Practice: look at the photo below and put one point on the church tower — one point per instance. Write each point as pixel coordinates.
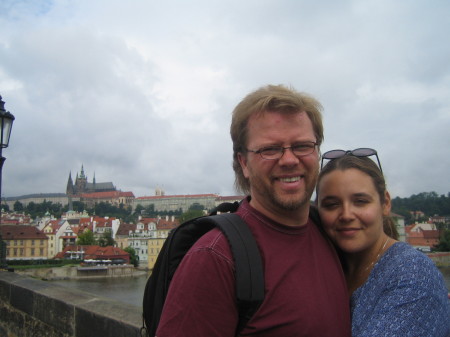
(69, 189)
(81, 185)
(81, 181)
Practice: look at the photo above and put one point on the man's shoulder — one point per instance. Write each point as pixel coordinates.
(213, 241)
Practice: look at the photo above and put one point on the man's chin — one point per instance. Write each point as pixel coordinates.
(291, 203)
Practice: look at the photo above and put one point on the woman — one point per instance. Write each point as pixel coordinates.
(395, 290)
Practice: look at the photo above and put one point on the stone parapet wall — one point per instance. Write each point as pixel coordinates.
(66, 272)
(441, 259)
(34, 308)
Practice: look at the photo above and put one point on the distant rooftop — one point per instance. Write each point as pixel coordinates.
(36, 195)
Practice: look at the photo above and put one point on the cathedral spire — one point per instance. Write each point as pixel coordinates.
(69, 188)
(82, 176)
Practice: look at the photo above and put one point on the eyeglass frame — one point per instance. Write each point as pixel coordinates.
(351, 153)
(282, 150)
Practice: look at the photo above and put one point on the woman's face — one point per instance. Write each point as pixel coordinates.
(351, 210)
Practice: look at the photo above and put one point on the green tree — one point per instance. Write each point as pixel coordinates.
(444, 242)
(196, 207)
(18, 206)
(150, 210)
(429, 203)
(106, 209)
(139, 208)
(134, 258)
(86, 238)
(190, 214)
(106, 239)
(78, 206)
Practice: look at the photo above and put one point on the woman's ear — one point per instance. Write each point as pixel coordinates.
(387, 204)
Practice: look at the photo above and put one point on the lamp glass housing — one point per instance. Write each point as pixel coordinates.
(6, 121)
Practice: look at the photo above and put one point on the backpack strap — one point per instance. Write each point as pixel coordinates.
(248, 264)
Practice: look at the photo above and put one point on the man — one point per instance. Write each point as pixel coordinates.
(276, 135)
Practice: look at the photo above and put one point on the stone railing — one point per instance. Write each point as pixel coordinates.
(34, 308)
(66, 273)
(441, 259)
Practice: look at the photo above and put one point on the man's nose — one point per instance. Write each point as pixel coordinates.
(288, 157)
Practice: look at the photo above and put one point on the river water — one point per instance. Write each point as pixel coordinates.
(131, 289)
(124, 289)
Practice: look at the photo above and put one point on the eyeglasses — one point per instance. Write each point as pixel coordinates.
(361, 152)
(276, 152)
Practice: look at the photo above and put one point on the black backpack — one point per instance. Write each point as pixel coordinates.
(248, 264)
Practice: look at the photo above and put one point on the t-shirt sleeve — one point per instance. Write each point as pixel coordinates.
(201, 298)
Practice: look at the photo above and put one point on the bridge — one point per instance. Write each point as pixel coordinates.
(32, 308)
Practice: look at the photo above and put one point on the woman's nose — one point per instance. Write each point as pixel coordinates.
(346, 213)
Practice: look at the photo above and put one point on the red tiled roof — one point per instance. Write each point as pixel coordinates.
(19, 232)
(146, 221)
(178, 196)
(108, 194)
(53, 225)
(163, 224)
(430, 234)
(233, 197)
(102, 222)
(10, 221)
(125, 228)
(96, 252)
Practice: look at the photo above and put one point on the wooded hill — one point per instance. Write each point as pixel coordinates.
(430, 203)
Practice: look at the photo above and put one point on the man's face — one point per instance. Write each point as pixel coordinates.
(285, 184)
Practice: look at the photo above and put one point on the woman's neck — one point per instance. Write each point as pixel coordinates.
(360, 264)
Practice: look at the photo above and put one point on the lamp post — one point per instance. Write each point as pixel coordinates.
(6, 121)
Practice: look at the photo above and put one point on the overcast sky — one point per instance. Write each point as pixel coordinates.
(141, 92)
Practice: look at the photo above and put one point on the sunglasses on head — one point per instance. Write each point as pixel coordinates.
(361, 152)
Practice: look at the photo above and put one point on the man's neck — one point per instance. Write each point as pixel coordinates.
(297, 217)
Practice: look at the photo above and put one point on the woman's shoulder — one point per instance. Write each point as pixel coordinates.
(403, 262)
(401, 253)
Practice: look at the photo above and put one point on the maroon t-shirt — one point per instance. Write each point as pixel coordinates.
(305, 290)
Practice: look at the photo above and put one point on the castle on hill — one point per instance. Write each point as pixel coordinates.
(82, 186)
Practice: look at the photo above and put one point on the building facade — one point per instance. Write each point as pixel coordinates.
(115, 198)
(24, 242)
(422, 236)
(56, 198)
(166, 203)
(154, 245)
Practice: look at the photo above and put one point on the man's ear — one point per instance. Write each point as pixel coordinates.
(243, 162)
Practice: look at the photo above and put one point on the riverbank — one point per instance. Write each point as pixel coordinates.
(78, 272)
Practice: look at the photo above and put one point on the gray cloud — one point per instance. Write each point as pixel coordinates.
(141, 93)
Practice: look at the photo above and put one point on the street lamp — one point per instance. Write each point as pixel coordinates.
(6, 122)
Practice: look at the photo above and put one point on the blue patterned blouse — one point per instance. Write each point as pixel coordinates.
(405, 295)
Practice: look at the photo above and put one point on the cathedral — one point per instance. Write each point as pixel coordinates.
(82, 185)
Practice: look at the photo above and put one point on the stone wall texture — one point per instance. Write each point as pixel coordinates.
(35, 308)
